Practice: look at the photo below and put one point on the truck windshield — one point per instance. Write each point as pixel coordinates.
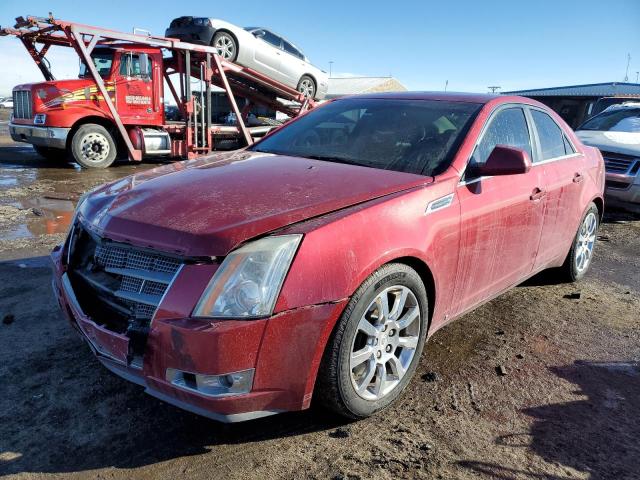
(415, 136)
(625, 119)
(102, 60)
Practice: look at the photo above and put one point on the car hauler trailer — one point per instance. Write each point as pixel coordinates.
(116, 106)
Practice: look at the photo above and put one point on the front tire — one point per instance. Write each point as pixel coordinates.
(226, 45)
(376, 345)
(307, 87)
(93, 146)
(578, 260)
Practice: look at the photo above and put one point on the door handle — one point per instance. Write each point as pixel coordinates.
(537, 194)
(577, 178)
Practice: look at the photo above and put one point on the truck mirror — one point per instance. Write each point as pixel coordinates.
(145, 71)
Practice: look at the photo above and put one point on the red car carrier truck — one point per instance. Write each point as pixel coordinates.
(115, 108)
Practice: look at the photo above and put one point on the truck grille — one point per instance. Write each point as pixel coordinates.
(22, 104)
(618, 162)
(118, 285)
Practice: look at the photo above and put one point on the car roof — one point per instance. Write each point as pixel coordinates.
(451, 96)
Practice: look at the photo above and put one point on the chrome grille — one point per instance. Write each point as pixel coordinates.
(618, 162)
(22, 104)
(144, 277)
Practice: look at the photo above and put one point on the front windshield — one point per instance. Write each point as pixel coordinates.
(102, 60)
(415, 136)
(625, 119)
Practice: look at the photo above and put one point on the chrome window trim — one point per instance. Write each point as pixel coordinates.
(462, 183)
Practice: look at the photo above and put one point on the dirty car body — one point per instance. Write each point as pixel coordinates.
(217, 283)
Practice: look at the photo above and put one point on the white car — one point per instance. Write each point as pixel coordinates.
(6, 102)
(257, 48)
(616, 132)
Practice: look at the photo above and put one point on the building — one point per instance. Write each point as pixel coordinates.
(575, 103)
(339, 87)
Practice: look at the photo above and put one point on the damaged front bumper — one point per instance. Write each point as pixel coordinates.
(274, 360)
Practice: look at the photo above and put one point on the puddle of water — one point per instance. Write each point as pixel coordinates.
(8, 181)
(46, 216)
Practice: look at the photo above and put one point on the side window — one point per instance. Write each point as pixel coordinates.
(130, 66)
(508, 127)
(292, 50)
(271, 39)
(552, 141)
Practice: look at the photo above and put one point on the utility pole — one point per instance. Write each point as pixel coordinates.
(446, 84)
(330, 67)
(637, 74)
(494, 88)
(626, 75)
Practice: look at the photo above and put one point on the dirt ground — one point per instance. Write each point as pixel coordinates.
(568, 406)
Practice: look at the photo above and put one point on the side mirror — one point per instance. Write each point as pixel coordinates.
(144, 65)
(504, 160)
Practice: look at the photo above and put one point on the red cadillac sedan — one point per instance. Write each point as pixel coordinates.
(314, 264)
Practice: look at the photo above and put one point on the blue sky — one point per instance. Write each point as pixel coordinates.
(472, 44)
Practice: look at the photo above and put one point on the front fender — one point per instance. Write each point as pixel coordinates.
(341, 250)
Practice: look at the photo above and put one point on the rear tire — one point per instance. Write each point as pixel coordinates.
(92, 146)
(307, 86)
(226, 45)
(370, 358)
(578, 261)
(52, 154)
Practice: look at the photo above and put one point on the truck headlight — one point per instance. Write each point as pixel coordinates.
(40, 119)
(248, 282)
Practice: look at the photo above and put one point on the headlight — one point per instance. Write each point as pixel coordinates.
(248, 282)
(40, 119)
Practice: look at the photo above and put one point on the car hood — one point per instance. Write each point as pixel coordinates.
(206, 207)
(617, 142)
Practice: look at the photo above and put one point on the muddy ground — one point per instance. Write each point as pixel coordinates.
(568, 406)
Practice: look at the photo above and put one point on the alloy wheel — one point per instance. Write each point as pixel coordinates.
(225, 46)
(585, 241)
(307, 88)
(385, 342)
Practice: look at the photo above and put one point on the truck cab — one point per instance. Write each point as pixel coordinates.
(69, 118)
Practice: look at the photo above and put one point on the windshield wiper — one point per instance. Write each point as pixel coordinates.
(334, 159)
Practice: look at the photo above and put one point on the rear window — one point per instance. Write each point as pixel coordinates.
(415, 136)
(292, 50)
(552, 139)
(618, 120)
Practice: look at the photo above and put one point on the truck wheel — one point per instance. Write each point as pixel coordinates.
(52, 154)
(92, 146)
(376, 345)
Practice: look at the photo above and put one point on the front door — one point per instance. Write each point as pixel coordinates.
(135, 91)
(501, 217)
(268, 54)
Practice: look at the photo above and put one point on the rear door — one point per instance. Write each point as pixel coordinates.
(563, 169)
(268, 53)
(501, 216)
(293, 64)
